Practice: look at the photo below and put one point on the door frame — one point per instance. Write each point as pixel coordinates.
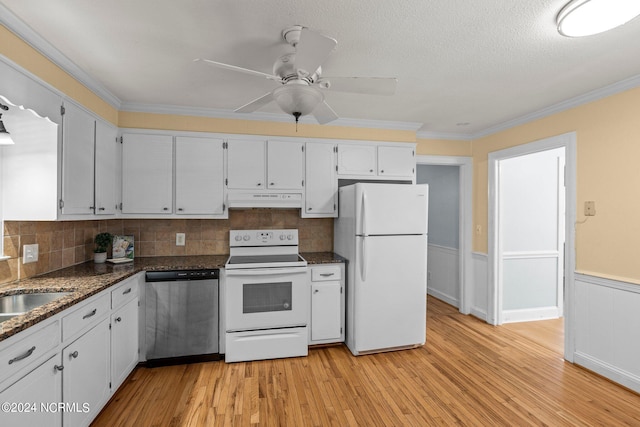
(465, 221)
(568, 141)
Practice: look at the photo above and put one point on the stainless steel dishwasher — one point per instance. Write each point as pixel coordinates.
(181, 310)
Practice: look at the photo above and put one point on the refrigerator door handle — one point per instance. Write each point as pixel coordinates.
(363, 212)
(363, 260)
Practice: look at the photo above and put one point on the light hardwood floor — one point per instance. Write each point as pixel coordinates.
(468, 373)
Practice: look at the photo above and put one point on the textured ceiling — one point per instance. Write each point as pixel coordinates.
(482, 63)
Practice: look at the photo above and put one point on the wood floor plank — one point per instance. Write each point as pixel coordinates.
(468, 373)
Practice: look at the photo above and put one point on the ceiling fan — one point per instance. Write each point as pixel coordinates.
(300, 76)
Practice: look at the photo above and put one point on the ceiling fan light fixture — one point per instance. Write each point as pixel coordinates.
(587, 17)
(295, 98)
(5, 136)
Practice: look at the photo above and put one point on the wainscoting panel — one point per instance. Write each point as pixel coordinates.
(480, 285)
(442, 278)
(607, 326)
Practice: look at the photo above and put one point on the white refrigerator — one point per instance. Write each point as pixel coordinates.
(382, 231)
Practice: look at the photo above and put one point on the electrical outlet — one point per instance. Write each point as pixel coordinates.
(589, 208)
(30, 253)
(180, 239)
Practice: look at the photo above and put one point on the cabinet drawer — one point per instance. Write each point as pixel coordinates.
(124, 293)
(28, 348)
(323, 274)
(85, 316)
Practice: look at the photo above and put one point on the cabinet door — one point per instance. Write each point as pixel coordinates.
(85, 379)
(105, 167)
(356, 159)
(321, 180)
(39, 387)
(124, 342)
(285, 165)
(147, 174)
(246, 164)
(78, 135)
(396, 162)
(199, 176)
(326, 321)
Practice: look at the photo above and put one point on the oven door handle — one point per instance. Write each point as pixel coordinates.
(266, 271)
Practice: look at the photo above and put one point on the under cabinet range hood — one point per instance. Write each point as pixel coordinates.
(264, 199)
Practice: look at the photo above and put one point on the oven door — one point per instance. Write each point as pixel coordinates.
(266, 298)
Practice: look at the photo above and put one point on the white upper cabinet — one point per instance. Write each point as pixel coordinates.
(356, 159)
(147, 174)
(106, 149)
(321, 181)
(88, 164)
(199, 176)
(396, 161)
(377, 161)
(78, 143)
(258, 165)
(246, 164)
(285, 165)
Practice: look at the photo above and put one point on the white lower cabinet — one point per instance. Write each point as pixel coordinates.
(86, 375)
(124, 342)
(65, 369)
(29, 400)
(327, 304)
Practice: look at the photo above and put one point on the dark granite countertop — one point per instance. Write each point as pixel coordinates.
(87, 279)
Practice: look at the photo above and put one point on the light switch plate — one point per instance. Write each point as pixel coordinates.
(180, 239)
(30, 253)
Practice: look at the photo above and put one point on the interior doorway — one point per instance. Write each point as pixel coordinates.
(456, 275)
(521, 257)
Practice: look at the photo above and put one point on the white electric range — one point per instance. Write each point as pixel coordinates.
(266, 296)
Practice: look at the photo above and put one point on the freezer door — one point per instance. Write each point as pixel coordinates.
(384, 209)
(390, 290)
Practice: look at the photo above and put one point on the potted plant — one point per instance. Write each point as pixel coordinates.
(102, 241)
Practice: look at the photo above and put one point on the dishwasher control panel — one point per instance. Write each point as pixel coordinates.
(176, 275)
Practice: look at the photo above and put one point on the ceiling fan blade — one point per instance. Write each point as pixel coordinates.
(311, 51)
(239, 69)
(323, 113)
(255, 104)
(364, 85)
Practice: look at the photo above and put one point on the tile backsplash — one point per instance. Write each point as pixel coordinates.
(65, 243)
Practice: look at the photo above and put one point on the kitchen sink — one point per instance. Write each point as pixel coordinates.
(15, 305)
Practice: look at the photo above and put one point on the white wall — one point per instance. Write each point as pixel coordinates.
(444, 203)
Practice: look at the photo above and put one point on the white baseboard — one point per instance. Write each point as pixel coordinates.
(607, 370)
(529, 314)
(443, 297)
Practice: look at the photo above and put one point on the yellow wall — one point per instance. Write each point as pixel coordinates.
(443, 147)
(608, 152)
(30, 59)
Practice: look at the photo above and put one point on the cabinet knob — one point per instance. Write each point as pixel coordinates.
(381, 171)
(259, 184)
(165, 209)
(58, 367)
(92, 207)
(370, 170)
(180, 209)
(100, 209)
(316, 291)
(308, 209)
(272, 184)
(74, 355)
(118, 319)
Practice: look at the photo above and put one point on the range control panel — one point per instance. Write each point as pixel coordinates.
(263, 237)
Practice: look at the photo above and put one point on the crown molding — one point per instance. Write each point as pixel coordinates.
(594, 95)
(35, 40)
(259, 116)
(444, 135)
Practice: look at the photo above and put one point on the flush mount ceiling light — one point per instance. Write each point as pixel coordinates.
(5, 137)
(586, 17)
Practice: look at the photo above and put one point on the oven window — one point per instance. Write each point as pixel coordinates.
(266, 297)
